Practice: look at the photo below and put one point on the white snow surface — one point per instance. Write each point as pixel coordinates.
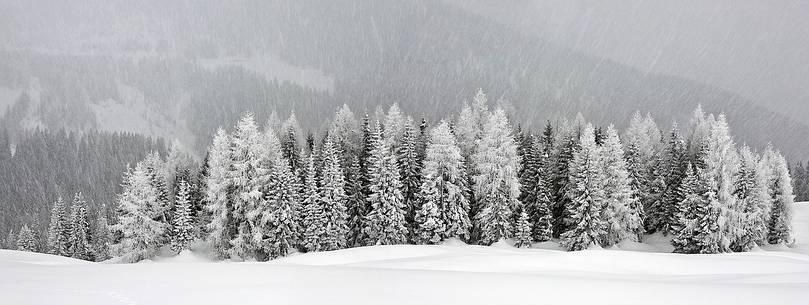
(452, 273)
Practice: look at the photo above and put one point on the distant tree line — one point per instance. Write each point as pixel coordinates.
(262, 193)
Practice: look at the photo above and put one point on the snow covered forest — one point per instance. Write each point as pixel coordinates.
(265, 190)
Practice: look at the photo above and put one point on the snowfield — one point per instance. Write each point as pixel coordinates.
(452, 273)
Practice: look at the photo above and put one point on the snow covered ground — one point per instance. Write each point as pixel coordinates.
(448, 274)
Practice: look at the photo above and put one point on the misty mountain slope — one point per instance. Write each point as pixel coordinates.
(425, 55)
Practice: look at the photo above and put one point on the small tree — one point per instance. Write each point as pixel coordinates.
(26, 240)
(523, 231)
(183, 221)
(429, 227)
(80, 229)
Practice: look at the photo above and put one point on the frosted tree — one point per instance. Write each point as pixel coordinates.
(641, 141)
(620, 212)
(79, 229)
(394, 126)
(183, 222)
(290, 144)
(345, 130)
(281, 222)
(26, 240)
(753, 199)
(722, 163)
(101, 236)
(698, 130)
(140, 230)
(444, 178)
(674, 156)
(59, 229)
(586, 196)
(385, 223)
(249, 174)
(684, 228)
(496, 184)
(11, 240)
(429, 228)
(559, 177)
(409, 172)
(522, 232)
(156, 169)
(779, 226)
(356, 207)
(219, 195)
(332, 217)
(312, 209)
(535, 195)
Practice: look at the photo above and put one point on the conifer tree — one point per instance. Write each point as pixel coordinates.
(722, 163)
(280, 223)
(219, 196)
(779, 226)
(684, 228)
(620, 212)
(26, 240)
(79, 229)
(496, 183)
(289, 144)
(673, 168)
(751, 192)
(332, 218)
(586, 196)
(58, 230)
(101, 236)
(11, 240)
(140, 230)
(183, 223)
(407, 160)
(312, 209)
(385, 223)
(523, 231)
(444, 166)
(356, 207)
(429, 228)
(569, 144)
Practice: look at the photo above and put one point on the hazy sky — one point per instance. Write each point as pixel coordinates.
(757, 48)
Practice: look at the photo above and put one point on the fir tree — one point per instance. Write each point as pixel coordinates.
(751, 192)
(139, 231)
(101, 236)
(80, 229)
(332, 218)
(496, 183)
(385, 223)
(673, 168)
(356, 207)
(59, 229)
(523, 231)
(26, 240)
(281, 223)
(444, 166)
(183, 222)
(561, 183)
(620, 212)
(429, 227)
(312, 209)
(586, 196)
(11, 241)
(406, 158)
(218, 196)
(779, 226)
(684, 228)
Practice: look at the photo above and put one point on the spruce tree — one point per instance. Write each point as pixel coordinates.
(523, 231)
(385, 223)
(673, 168)
(280, 224)
(429, 227)
(586, 196)
(444, 166)
(333, 217)
(183, 223)
(101, 236)
(496, 183)
(356, 207)
(219, 196)
(407, 160)
(312, 209)
(753, 199)
(684, 228)
(779, 226)
(11, 240)
(80, 229)
(26, 240)
(58, 230)
(620, 212)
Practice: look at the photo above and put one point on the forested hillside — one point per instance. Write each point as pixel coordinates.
(180, 69)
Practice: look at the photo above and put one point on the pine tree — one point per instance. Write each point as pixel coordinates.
(523, 231)
(444, 167)
(155, 168)
(586, 196)
(183, 222)
(722, 163)
(407, 160)
(289, 144)
(356, 208)
(673, 169)
(280, 224)
(139, 231)
(779, 226)
(11, 241)
(385, 223)
(429, 227)
(312, 209)
(684, 228)
(496, 183)
(560, 181)
(752, 198)
(26, 240)
(58, 230)
(219, 196)
(535, 194)
(620, 212)
(101, 237)
(331, 219)
(250, 172)
(80, 229)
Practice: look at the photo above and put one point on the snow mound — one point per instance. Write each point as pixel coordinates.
(8, 257)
